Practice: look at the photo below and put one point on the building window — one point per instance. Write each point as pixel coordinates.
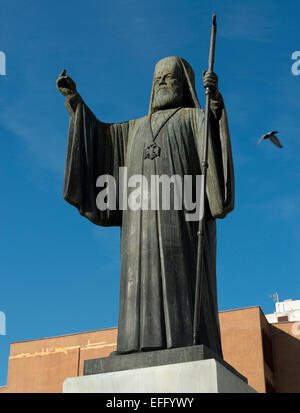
(282, 319)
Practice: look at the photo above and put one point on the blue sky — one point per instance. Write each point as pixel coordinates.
(59, 274)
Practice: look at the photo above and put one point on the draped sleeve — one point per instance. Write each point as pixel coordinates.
(220, 172)
(94, 149)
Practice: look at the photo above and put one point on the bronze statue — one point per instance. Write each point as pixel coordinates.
(158, 247)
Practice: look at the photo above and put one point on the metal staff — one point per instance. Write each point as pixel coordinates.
(204, 165)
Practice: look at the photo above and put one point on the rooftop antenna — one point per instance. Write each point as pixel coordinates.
(275, 297)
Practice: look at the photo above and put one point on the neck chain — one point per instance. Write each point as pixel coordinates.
(153, 150)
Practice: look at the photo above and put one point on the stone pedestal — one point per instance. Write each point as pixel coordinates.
(183, 370)
(205, 376)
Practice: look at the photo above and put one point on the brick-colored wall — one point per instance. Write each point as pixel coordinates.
(242, 344)
(286, 350)
(41, 366)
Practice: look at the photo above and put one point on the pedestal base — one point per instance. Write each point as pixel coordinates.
(153, 358)
(202, 376)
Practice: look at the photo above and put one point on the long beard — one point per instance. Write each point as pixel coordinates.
(166, 98)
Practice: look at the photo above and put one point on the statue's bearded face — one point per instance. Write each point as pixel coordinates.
(168, 90)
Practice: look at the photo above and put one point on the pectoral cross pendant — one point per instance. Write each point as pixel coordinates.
(152, 151)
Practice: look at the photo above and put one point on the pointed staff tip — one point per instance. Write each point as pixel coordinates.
(214, 19)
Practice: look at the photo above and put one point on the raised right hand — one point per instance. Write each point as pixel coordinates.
(65, 85)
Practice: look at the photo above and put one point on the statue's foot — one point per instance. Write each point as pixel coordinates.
(120, 353)
(114, 353)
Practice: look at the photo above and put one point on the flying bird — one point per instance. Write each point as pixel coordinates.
(272, 137)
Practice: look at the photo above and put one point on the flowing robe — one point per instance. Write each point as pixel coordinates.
(158, 247)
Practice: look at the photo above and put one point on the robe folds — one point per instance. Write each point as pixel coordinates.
(158, 247)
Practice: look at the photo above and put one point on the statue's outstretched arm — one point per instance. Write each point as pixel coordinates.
(67, 87)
